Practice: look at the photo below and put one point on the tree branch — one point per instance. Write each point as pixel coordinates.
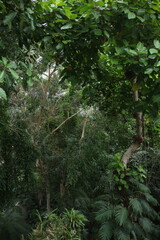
(54, 130)
(84, 127)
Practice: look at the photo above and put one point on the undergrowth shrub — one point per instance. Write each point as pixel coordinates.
(132, 216)
(67, 226)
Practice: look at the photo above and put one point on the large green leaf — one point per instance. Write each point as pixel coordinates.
(153, 50)
(143, 188)
(106, 230)
(148, 210)
(121, 234)
(121, 215)
(146, 224)
(151, 199)
(105, 213)
(136, 206)
(67, 26)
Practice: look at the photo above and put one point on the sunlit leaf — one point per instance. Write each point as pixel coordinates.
(2, 74)
(3, 94)
(157, 43)
(14, 74)
(153, 50)
(131, 15)
(67, 26)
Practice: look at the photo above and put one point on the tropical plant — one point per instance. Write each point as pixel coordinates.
(133, 216)
(68, 225)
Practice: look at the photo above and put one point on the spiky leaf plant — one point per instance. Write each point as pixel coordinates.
(68, 225)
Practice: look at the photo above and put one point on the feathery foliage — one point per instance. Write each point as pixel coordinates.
(12, 225)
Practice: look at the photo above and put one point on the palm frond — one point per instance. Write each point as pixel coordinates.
(151, 199)
(121, 215)
(148, 210)
(136, 206)
(134, 235)
(128, 225)
(138, 230)
(143, 188)
(105, 213)
(120, 234)
(146, 224)
(106, 230)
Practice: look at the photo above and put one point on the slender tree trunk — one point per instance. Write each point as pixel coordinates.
(138, 139)
(44, 174)
(48, 200)
(48, 194)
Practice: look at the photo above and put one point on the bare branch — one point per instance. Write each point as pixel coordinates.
(84, 126)
(54, 130)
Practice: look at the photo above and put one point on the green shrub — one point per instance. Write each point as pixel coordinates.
(66, 226)
(133, 215)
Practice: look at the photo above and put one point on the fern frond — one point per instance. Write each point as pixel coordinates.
(134, 235)
(156, 231)
(128, 226)
(120, 234)
(106, 230)
(136, 206)
(99, 204)
(121, 215)
(146, 224)
(148, 210)
(151, 199)
(105, 213)
(138, 230)
(143, 188)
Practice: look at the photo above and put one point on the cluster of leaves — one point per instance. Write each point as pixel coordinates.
(133, 219)
(68, 225)
(122, 31)
(121, 174)
(102, 46)
(16, 164)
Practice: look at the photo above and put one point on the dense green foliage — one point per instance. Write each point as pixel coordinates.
(74, 77)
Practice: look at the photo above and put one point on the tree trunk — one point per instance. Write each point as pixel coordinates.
(45, 181)
(138, 139)
(48, 200)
